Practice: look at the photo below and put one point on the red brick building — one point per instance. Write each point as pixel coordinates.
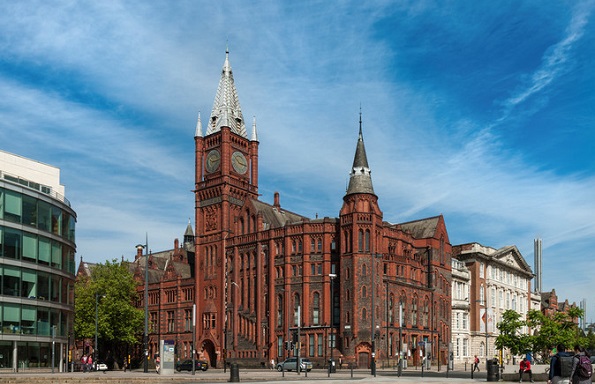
(257, 263)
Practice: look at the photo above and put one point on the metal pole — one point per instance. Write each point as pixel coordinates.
(193, 338)
(297, 344)
(146, 332)
(387, 334)
(332, 276)
(96, 321)
(53, 346)
(373, 363)
(400, 367)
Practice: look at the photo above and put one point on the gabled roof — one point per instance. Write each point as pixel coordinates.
(275, 217)
(511, 256)
(422, 229)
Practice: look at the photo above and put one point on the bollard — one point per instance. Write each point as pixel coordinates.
(234, 373)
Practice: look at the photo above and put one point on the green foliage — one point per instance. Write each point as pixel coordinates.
(113, 288)
(510, 336)
(549, 331)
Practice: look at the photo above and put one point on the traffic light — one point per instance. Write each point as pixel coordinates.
(294, 337)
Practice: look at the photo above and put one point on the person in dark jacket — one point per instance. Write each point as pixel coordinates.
(559, 372)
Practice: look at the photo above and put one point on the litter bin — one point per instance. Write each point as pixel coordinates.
(332, 367)
(492, 370)
(234, 373)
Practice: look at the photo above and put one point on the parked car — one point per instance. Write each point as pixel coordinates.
(101, 367)
(291, 365)
(186, 365)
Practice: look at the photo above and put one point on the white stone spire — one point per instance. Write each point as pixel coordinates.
(254, 134)
(198, 132)
(226, 108)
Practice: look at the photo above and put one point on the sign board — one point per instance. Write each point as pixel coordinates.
(166, 352)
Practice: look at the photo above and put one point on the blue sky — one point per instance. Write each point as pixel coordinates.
(481, 111)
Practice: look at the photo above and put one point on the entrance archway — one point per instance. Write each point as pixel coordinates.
(363, 360)
(208, 352)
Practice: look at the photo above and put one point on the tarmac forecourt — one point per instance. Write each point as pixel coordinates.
(409, 375)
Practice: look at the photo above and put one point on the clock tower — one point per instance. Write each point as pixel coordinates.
(226, 177)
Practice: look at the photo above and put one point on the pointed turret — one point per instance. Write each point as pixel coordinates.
(360, 180)
(189, 234)
(198, 132)
(226, 108)
(254, 134)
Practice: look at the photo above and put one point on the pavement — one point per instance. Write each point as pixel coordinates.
(409, 375)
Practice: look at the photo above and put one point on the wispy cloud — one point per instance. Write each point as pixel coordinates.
(109, 92)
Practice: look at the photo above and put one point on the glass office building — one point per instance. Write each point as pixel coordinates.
(37, 247)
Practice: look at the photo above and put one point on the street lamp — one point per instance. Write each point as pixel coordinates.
(95, 349)
(140, 248)
(332, 276)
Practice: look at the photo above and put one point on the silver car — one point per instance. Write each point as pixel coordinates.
(291, 365)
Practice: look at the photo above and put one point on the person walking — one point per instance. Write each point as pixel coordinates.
(560, 366)
(84, 363)
(582, 369)
(89, 363)
(525, 367)
(475, 364)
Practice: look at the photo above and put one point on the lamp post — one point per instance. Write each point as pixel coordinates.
(140, 247)
(95, 349)
(332, 295)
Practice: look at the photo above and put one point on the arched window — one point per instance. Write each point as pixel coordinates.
(367, 240)
(296, 304)
(364, 314)
(414, 312)
(360, 240)
(279, 311)
(364, 270)
(390, 309)
(364, 291)
(316, 308)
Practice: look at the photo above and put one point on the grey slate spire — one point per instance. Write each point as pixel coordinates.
(226, 108)
(360, 180)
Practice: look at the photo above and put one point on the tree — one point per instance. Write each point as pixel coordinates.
(510, 336)
(112, 287)
(551, 331)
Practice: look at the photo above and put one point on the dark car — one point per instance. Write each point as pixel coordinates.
(186, 365)
(291, 365)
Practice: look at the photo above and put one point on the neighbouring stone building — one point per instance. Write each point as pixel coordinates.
(500, 279)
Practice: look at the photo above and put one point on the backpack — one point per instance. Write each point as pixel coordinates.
(565, 364)
(584, 368)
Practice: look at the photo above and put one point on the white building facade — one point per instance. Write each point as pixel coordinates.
(500, 279)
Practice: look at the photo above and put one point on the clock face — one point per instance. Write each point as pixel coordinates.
(213, 160)
(239, 162)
